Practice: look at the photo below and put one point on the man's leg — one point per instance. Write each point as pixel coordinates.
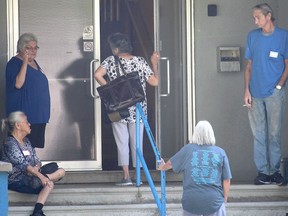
(258, 124)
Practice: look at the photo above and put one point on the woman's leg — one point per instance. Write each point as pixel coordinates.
(42, 197)
(37, 135)
(56, 176)
(44, 193)
(121, 135)
(132, 136)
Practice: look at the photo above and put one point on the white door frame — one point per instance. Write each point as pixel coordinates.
(190, 42)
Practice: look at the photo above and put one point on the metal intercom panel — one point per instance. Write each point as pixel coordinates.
(228, 59)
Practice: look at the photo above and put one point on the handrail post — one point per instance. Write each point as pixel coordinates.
(137, 147)
(139, 157)
(163, 193)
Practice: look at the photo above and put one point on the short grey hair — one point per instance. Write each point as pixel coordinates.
(265, 9)
(24, 39)
(9, 123)
(203, 134)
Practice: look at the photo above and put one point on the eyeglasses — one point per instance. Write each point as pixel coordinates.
(32, 48)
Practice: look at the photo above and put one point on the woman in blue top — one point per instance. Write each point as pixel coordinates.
(27, 88)
(207, 174)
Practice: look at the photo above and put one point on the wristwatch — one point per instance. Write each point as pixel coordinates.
(278, 87)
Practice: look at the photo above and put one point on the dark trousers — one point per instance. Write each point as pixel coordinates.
(37, 135)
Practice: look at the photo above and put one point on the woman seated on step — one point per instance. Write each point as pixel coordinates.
(26, 176)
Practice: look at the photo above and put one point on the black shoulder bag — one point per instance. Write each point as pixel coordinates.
(123, 92)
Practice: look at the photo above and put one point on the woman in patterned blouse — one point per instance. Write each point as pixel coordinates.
(124, 130)
(18, 151)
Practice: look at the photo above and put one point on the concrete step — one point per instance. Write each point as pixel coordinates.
(99, 210)
(233, 209)
(108, 199)
(98, 176)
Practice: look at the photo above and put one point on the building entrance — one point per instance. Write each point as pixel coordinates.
(71, 34)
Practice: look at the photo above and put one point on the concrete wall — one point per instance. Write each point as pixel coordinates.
(219, 95)
(282, 13)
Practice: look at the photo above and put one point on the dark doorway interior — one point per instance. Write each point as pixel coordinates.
(135, 18)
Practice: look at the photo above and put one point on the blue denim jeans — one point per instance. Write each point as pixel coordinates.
(265, 118)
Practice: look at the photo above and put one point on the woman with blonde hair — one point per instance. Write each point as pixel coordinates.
(206, 171)
(26, 175)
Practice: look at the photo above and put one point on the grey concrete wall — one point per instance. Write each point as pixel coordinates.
(219, 95)
(282, 13)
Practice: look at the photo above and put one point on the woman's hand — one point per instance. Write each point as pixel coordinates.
(46, 181)
(33, 170)
(154, 80)
(37, 166)
(25, 56)
(161, 165)
(155, 58)
(164, 166)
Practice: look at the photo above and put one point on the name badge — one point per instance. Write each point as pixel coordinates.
(273, 54)
(26, 153)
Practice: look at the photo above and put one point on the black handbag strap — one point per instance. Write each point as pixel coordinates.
(118, 62)
(22, 151)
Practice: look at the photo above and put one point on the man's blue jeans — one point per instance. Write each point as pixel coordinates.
(265, 118)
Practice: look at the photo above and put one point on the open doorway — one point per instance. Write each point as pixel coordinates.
(134, 18)
(160, 25)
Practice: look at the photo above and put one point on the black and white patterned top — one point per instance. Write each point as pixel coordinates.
(134, 64)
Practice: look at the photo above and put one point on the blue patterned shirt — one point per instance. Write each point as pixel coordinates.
(204, 168)
(13, 153)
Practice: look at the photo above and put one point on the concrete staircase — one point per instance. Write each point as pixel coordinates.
(93, 197)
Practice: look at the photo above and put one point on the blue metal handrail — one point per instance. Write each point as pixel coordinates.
(161, 203)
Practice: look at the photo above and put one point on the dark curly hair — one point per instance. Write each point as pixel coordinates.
(120, 41)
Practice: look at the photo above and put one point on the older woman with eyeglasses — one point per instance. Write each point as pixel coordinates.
(27, 175)
(27, 88)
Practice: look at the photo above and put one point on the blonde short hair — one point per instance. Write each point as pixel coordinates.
(203, 134)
